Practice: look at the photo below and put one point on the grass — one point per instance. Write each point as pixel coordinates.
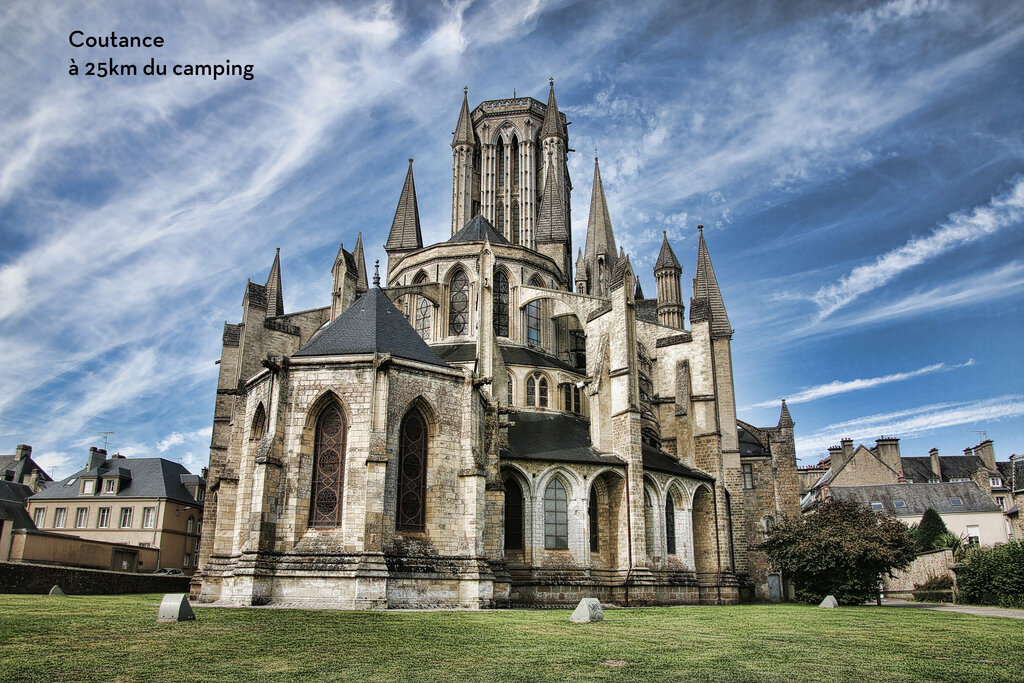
(116, 638)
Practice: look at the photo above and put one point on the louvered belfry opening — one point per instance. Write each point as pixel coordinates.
(412, 473)
(328, 468)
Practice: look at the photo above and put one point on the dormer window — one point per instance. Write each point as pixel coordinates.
(110, 486)
(88, 486)
(995, 482)
(900, 504)
(877, 506)
(956, 502)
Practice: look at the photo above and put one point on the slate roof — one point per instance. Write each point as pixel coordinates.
(371, 325)
(646, 309)
(150, 478)
(1018, 475)
(405, 228)
(920, 497)
(553, 125)
(551, 225)
(256, 295)
(13, 469)
(510, 355)
(919, 469)
(659, 461)
(750, 445)
(12, 504)
(666, 257)
(464, 128)
(475, 231)
(705, 286)
(553, 436)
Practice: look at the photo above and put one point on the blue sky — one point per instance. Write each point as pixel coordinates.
(859, 168)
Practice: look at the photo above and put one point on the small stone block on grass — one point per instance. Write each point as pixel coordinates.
(829, 602)
(175, 607)
(589, 610)
(56, 591)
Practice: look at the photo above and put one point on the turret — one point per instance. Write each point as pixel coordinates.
(405, 235)
(275, 297)
(361, 285)
(667, 272)
(463, 158)
(600, 256)
(553, 234)
(707, 298)
(346, 281)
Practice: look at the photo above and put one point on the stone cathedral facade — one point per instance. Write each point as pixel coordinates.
(490, 422)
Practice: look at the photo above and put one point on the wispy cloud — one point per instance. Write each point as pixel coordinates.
(845, 386)
(912, 422)
(177, 438)
(961, 229)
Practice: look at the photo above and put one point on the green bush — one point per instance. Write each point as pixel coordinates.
(841, 549)
(923, 592)
(992, 576)
(929, 533)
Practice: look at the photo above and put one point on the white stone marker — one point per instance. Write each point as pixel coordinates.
(829, 602)
(56, 591)
(175, 607)
(589, 610)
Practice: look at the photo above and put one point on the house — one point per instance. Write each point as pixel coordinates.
(13, 514)
(20, 468)
(138, 502)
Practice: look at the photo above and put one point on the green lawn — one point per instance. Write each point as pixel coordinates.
(117, 638)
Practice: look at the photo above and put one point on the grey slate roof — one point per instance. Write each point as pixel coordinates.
(920, 497)
(232, 335)
(464, 128)
(553, 436)
(1018, 475)
(371, 325)
(150, 478)
(476, 230)
(13, 469)
(510, 355)
(750, 445)
(12, 505)
(256, 294)
(659, 461)
(553, 124)
(666, 257)
(705, 286)
(919, 469)
(405, 228)
(646, 309)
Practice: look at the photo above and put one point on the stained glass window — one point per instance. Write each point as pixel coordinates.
(510, 393)
(513, 515)
(424, 317)
(556, 517)
(458, 305)
(500, 304)
(670, 525)
(412, 473)
(531, 391)
(328, 468)
(592, 515)
(533, 322)
(542, 393)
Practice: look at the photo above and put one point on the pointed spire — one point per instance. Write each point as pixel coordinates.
(666, 257)
(553, 126)
(785, 421)
(464, 128)
(705, 286)
(551, 225)
(405, 229)
(600, 238)
(360, 259)
(638, 293)
(275, 298)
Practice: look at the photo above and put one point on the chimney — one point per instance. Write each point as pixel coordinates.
(23, 452)
(847, 446)
(836, 458)
(97, 456)
(936, 466)
(889, 453)
(987, 454)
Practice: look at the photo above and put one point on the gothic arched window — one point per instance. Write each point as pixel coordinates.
(458, 304)
(424, 317)
(511, 385)
(412, 472)
(542, 392)
(670, 525)
(531, 391)
(259, 424)
(556, 516)
(500, 303)
(513, 515)
(537, 390)
(592, 515)
(328, 468)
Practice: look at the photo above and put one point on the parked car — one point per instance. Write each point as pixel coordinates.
(171, 572)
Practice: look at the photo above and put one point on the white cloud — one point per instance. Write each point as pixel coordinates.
(178, 438)
(961, 229)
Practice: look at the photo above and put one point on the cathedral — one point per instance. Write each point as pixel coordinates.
(488, 421)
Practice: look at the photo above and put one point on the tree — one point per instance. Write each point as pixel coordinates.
(840, 549)
(929, 532)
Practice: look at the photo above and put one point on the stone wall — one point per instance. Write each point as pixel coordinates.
(934, 563)
(16, 577)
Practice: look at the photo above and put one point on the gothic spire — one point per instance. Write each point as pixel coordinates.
(275, 297)
(553, 126)
(405, 229)
(666, 257)
(705, 286)
(551, 225)
(638, 293)
(360, 259)
(600, 239)
(464, 128)
(784, 419)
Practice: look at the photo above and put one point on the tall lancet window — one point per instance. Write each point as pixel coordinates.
(424, 317)
(500, 303)
(595, 543)
(328, 468)
(513, 515)
(458, 305)
(412, 472)
(670, 525)
(556, 516)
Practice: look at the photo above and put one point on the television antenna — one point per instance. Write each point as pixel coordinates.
(982, 435)
(106, 438)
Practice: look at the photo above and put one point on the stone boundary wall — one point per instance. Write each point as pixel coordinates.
(933, 563)
(17, 577)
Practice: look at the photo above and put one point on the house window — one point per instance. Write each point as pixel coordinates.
(103, 519)
(81, 517)
(900, 504)
(995, 482)
(595, 543)
(959, 480)
(458, 305)
(59, 518)
(424, 317)
(195, 560)
(877, 506)
(110, 486)
(188, 560)
(973, 535)
(1001, 502)
(200, 494)
(71, 482)
(149, 518)
(328, 468)
(500, 303)
(556, 517)
(748, 475)
(412, 473)
(191, 525)
(88, 486)
(126, 518)
(39, 517)
(670, 525)
(513, 515)
(956, 502)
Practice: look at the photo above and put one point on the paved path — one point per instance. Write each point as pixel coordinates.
(963, 609)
